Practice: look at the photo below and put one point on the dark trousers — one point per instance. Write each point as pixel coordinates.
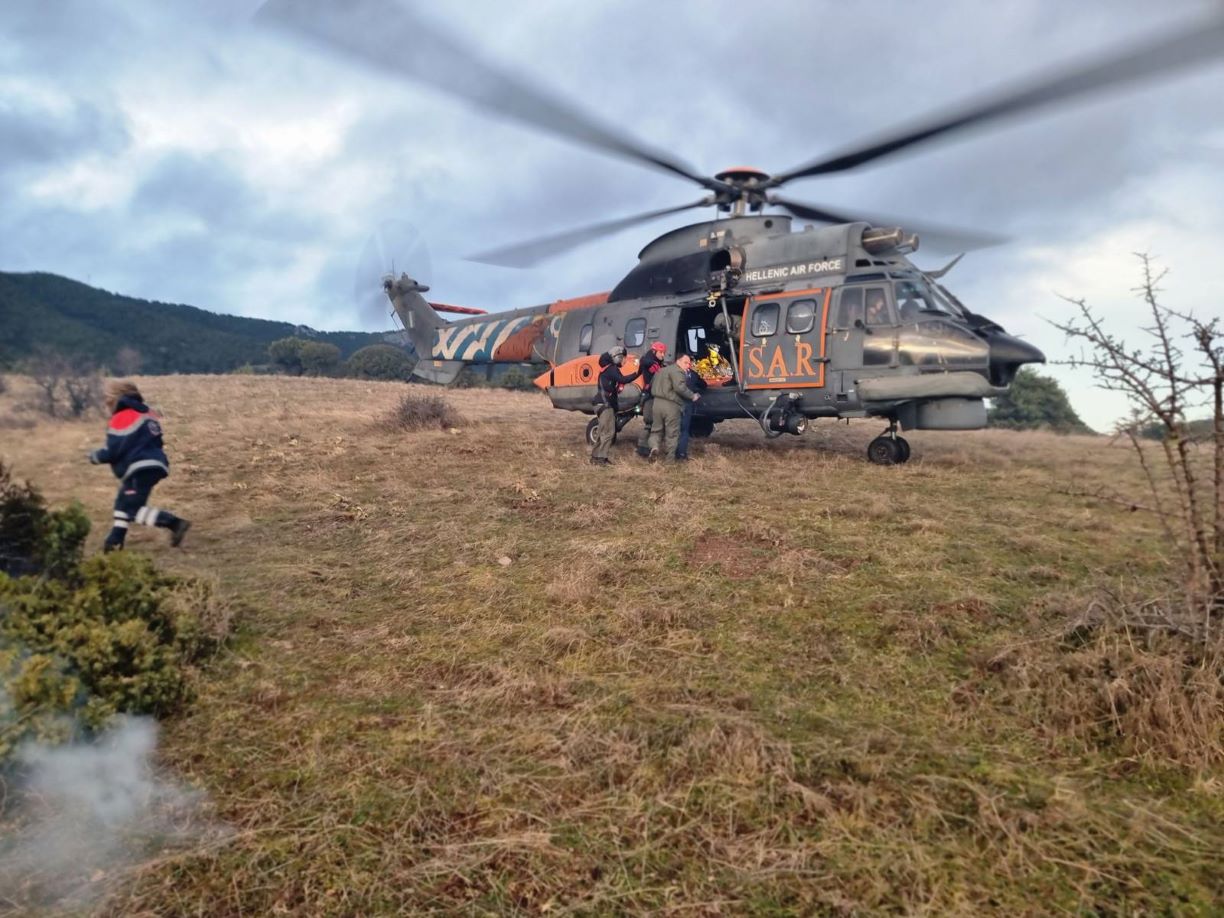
(686, 422)
(131, 506)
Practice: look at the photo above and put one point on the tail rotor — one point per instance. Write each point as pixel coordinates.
(395, 247)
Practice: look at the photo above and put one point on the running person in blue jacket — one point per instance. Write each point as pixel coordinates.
(134, 452)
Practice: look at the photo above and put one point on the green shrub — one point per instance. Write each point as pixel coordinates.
(81, 641)
(319, 358)
(286, 353)
(380, 361)
(34, 539)
(1034, 402)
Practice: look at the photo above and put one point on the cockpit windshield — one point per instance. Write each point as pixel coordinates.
(917, 300)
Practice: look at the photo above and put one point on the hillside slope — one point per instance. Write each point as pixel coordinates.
(476, 675)
(47, 311)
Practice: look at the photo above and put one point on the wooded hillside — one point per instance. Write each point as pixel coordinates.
(48, 312)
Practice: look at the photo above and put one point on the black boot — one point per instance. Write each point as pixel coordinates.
(176, 524)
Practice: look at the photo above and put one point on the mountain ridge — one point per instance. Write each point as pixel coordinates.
(41, 311)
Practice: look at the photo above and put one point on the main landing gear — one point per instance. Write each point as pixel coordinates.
(621, 420)
(888, 448)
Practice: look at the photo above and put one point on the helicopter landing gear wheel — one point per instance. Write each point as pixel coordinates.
(592, 429)
(888, 448)
(884, 451)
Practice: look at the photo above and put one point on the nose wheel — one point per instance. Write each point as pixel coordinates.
(888, 448)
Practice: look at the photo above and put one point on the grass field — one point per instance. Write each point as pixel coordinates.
(475, 674)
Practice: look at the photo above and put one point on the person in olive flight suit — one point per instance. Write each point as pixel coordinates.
(671, 394)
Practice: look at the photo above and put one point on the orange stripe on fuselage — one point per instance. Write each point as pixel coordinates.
(581, 371)
(579, 302)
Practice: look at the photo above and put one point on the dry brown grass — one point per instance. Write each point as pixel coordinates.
(759, 683)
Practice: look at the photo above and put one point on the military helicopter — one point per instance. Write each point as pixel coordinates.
(831, 320)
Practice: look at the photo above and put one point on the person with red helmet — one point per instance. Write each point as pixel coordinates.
(649, 364)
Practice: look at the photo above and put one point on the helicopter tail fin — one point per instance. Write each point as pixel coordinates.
(421, 322)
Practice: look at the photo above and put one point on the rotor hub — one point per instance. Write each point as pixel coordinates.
(742, 175)
(747, 188)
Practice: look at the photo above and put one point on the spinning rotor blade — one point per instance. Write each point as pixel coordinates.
(525, 254)
(388, 37)
(946, 237)
(1177, 50)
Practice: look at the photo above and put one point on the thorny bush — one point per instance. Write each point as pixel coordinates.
(1178, 372)
(419, 412)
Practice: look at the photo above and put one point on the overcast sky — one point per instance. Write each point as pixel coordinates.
(181, 152)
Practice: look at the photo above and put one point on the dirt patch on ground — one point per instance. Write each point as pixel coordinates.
(733, 556)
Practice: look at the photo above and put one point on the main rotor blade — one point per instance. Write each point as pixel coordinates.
(387, 36)
(942, 236)
(526, 254)
(1174, 51)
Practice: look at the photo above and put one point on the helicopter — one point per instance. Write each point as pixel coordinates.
(831, 319)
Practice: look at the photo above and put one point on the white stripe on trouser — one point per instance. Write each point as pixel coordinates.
(120, 524)
(147, 516)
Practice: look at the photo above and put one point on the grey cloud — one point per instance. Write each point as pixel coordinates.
(199, 186)
(35, 135)
(708, 81)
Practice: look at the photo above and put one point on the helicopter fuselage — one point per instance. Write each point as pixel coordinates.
(823, 322)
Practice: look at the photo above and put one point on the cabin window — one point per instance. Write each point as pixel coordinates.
(800, 317)
(584, 338)
(765, 320)
(635, 332)
(696, 339)
(849, 307)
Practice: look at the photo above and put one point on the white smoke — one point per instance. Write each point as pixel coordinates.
(81, 816)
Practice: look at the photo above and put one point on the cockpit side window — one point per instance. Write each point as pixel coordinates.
(849, 307)
(876, 310)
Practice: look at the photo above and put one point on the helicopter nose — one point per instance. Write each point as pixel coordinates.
(1007, 355)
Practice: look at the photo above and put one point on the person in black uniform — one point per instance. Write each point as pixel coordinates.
(135, 453)
(694, 381)
(611, 381)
